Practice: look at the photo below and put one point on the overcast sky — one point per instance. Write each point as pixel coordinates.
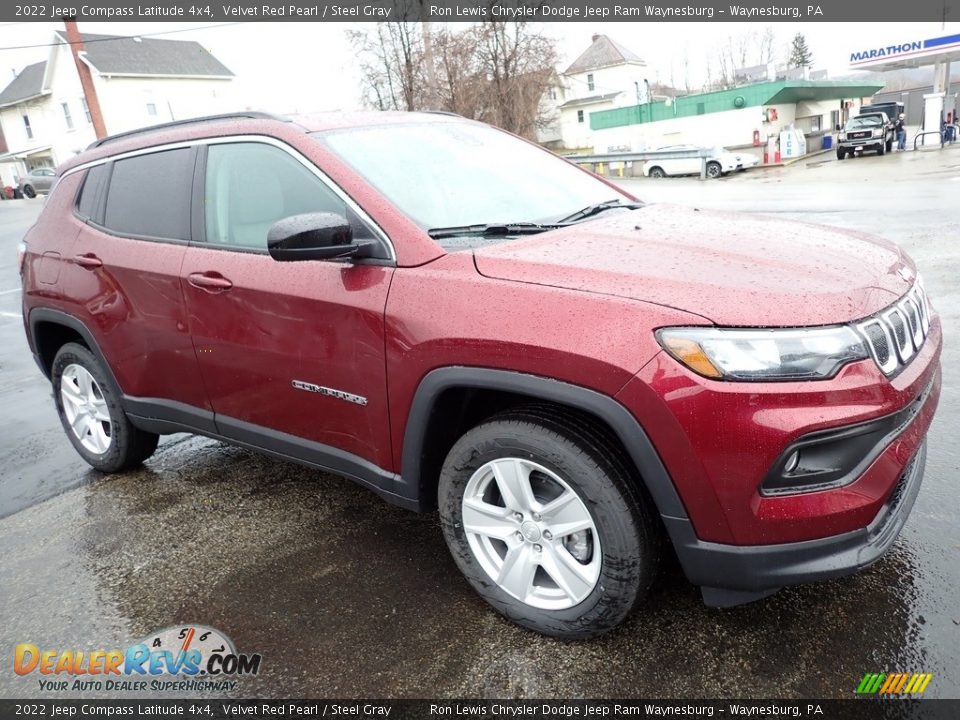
(291, 67)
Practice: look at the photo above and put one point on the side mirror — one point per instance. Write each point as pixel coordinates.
(313, 236)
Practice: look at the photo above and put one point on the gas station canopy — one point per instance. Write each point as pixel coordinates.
(910, 53)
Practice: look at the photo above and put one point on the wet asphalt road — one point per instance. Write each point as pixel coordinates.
(347, 596)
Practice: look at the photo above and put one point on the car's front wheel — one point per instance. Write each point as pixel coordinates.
(657, 172)
(91, 415)
(544, 520)
(714, 170)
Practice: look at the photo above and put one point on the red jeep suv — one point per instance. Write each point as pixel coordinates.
(460, 320)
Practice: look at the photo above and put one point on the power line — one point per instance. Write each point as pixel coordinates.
(120, 37)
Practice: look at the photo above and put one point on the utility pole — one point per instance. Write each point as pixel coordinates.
(86, 78)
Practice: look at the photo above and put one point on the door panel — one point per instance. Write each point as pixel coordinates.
(128, 289)
(313, 322)
(296, 347)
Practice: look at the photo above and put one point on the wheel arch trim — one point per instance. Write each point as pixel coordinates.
(58, 317)
(631, 434)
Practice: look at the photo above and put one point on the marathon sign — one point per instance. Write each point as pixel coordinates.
(905, 50)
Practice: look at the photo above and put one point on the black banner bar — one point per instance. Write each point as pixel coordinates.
(197, 709)
(860, 11)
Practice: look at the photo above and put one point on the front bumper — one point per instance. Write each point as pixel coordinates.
(864, 143)
(734, 574)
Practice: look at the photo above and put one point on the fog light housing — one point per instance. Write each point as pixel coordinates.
(828, 459)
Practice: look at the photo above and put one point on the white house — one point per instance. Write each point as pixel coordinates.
(44, 118)
(605, 76)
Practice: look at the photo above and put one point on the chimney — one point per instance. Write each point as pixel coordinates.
(596, 36)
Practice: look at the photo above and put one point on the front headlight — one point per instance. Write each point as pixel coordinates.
(738, 354)
(877, 132)
(842, 136)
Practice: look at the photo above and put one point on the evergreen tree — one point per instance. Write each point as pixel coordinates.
(800, 55)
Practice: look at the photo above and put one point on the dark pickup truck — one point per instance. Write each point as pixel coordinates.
(867, 131)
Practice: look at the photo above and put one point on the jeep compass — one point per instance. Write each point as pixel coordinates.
(461, 321)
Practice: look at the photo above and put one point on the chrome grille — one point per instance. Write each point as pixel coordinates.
(896, 334)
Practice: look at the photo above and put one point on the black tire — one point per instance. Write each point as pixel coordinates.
(889, 145)
(714, 170)
(657, 172)
(882, 149)
(29, 192)
(129, 446)
(841, 154)
(578, 452)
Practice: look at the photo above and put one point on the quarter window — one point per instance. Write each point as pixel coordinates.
(252, 185)
(90, 192)
(149, 195)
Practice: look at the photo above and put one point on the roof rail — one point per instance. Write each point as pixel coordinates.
(249, 114)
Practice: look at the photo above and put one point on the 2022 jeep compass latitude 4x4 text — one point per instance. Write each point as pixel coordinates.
(460, 320)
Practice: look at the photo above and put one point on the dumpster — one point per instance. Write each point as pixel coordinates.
(827, 142)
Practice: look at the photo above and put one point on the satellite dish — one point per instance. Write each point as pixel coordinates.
(739, 102)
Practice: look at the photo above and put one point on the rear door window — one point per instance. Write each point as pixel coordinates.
(149, 195)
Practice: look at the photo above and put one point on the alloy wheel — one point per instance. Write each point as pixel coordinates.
(85, 409)
(531, 533)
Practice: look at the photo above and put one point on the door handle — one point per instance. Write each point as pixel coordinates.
(88, 261)
(211, 282)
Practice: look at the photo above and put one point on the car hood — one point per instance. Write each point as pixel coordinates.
(732, 269)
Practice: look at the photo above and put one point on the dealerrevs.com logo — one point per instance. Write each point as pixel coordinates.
(178, 658)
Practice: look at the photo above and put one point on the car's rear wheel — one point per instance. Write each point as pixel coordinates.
(29, 192)
(542, 518)
(714, 170)
(91, 415)
(657, 172)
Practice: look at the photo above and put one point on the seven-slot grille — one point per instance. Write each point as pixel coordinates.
(896, 334)
(859, 135)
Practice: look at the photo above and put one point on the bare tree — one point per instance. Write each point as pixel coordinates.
(391, 60)
(459, 81)
(518, 64)
(767, 43)
(493, 71)
(744, 49)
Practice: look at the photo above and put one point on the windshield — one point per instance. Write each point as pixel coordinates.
(864, 122)
(448, 174)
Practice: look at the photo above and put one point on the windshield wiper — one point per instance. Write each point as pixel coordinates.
(491, 229)
(591, 210)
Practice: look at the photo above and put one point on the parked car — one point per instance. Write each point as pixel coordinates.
(870, 131)
(38, 180)
(720, 162)
(580, 383)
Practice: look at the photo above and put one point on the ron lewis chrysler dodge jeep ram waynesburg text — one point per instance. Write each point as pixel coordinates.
(459, 320)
